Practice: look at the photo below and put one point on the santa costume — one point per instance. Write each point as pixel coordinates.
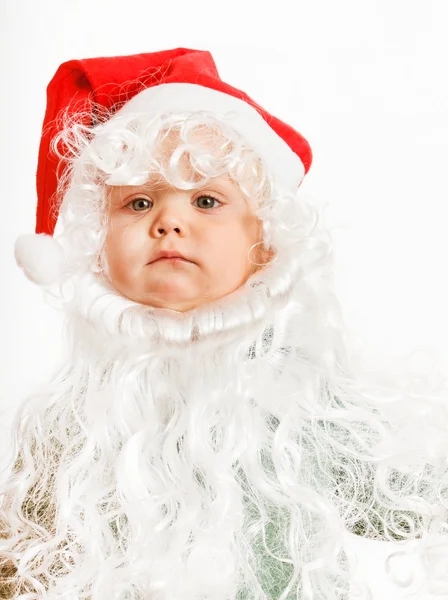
(218, 453)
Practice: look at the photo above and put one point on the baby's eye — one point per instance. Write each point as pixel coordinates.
(209, 201)
(140, 204)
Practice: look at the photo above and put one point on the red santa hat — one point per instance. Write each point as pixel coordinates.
(169, 81)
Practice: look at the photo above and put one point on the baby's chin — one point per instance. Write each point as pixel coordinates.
(168, 295)
(175, 292)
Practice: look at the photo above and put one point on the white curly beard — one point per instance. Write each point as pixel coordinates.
(215, 455)
(179, 413)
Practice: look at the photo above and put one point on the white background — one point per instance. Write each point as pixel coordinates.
(365, 82)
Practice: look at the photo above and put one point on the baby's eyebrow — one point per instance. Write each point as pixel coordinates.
(225, 187)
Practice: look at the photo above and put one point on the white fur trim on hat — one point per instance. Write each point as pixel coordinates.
(40, 256)
(282, 161)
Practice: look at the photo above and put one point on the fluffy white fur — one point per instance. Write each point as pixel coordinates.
(217, 454)
(40, 257)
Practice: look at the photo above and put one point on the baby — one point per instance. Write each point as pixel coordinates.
(207, 435)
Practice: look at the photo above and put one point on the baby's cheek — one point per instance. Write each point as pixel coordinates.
(119, 245)
(114, 255)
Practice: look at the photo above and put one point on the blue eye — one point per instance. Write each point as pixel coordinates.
(140, 204)
(208, 197)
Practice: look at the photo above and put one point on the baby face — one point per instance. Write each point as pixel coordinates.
(212, 227)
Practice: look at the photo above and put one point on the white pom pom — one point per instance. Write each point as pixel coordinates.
(40, 256)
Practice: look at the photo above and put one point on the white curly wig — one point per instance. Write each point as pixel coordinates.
(219, 453)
